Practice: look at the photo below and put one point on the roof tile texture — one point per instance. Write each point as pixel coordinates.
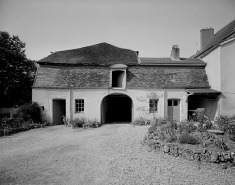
(99, 54)
(138, 77)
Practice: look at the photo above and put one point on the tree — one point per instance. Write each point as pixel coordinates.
(16, 71)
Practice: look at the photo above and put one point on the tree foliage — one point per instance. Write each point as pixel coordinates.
(16, 71)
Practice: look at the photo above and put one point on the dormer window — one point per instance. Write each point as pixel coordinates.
(118, 76)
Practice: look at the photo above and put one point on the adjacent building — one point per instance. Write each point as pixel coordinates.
(218, 51)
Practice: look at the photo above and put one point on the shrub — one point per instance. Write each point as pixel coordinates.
(186, 126)
(91, 123)
(222, 122)
(187, 138)
(158, 121)
(152, 129)
(28, 112)
(141, 121)
(78, 122)
(164, 132)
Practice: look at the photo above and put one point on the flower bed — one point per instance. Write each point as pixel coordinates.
(81, 122)
(189, 152)
(25, 117)
(193, 141)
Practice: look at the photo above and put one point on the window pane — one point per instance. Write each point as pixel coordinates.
(175, 102)
(79, 105)
(153, 105)
(169, 102)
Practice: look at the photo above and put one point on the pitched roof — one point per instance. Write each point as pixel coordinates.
(98, 54)
(138, 77)
(168, 77)
(66, 77)
(168, 61)
(218, 38)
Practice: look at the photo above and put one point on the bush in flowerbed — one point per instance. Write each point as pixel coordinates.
(29, 111)
(187, 138)
(141, 121)
(82, 122)
(25, 117)
(78, 122)
(191, 141)
(92, 123)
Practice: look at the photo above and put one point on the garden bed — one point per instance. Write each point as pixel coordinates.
(204, 141)
(190, 152)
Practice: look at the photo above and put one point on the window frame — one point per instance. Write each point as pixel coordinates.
(118, 67)
(153, 106)
(81, 105)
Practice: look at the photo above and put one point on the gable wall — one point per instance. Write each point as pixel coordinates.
(213, 69)
(228, 78)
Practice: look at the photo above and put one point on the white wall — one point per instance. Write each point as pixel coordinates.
(94, 97)
(228, 78)
(44, 97)
(213, 69)
(220, 70)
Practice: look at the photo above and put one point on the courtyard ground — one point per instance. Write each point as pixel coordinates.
(111, 154)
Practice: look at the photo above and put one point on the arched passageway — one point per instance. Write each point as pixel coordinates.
(116, 108)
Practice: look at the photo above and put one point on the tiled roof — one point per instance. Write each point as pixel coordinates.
(78, 77)
(98, 54)
(169, 77)
(157, 61)
(218, 38)
(138, 77)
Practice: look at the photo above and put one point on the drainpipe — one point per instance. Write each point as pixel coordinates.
(187, 101)
(164, 103)
(71, 102)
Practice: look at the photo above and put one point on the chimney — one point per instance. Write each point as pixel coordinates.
(206, 35)
(175, 53)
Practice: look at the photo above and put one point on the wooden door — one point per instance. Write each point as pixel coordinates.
(174, 109)
(58, 111)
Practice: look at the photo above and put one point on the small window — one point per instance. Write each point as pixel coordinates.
(117, 79)
(79, 105)
(153, 105)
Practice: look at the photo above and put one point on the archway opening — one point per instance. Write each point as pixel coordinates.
(116, 108)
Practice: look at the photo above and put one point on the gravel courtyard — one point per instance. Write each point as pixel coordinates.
(111, 154)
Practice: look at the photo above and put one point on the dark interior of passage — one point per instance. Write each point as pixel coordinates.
(116, 108)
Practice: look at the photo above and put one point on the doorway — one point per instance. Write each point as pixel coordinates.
(59, 110)
(173, 109)
(116, 108)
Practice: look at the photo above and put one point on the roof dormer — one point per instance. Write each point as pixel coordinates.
(118, 76)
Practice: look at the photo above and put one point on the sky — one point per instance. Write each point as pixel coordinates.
(151, 27)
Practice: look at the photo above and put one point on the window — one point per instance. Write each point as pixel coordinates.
(118, 76)
(117, 79)
(173, 102)
(153, 105)
(79, 105)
